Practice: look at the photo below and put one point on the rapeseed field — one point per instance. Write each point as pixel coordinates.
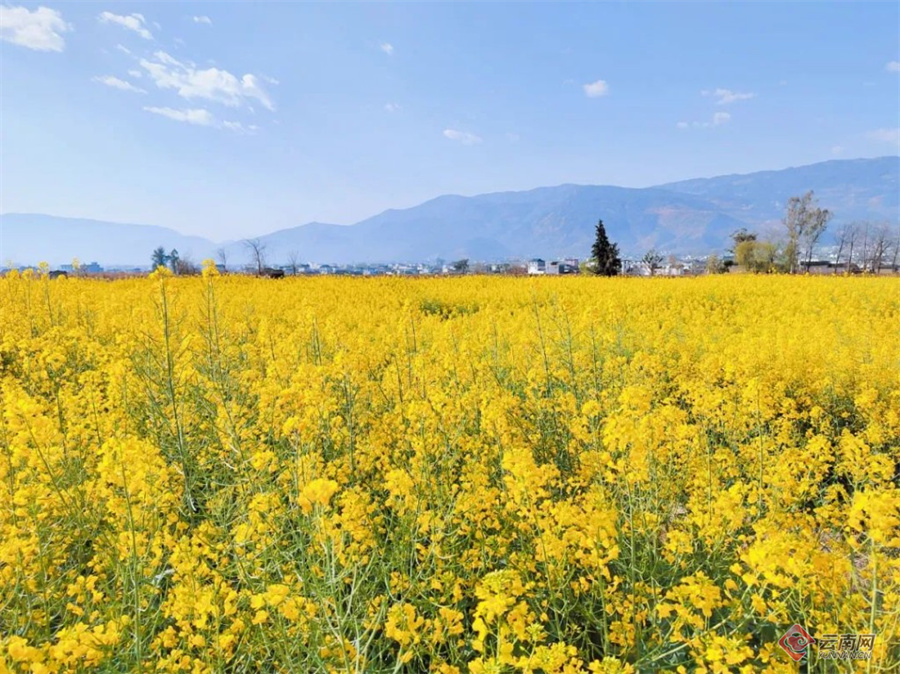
(477, 474)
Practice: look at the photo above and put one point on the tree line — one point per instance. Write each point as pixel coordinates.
(183, 265)
(804, 223)
(861, 246)
(178, 264)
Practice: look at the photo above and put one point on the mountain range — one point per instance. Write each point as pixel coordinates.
(688, 217)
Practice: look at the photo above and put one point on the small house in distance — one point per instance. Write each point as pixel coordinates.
(91, 268)
(537, 266)
(567, 266)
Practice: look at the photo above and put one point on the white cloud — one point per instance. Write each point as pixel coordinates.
(210, 83)
(133, 22)
(123, 49)
(197, 116)
(718, 119)
(203, 117)
(837, 150)
(387, 48)
(596, 89)
(116, 83)
(891, 136)
(392, 107)
(463, 137)
(40, 30)
(726, 96)
(136, 73)
(237, 127)
(893, 66)
(203, 19)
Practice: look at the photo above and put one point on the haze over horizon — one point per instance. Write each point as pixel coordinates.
(232, 120)
(693, 217)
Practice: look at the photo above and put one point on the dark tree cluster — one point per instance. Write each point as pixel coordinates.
(604, 254)
(178, 264)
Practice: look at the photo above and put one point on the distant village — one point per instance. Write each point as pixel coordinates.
(671, 266)
(876, 248)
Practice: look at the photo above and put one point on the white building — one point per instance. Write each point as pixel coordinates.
(537, 266)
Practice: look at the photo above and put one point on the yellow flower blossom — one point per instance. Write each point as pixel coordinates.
(480, 474)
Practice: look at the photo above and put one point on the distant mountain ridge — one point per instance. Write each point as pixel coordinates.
(686, 217)
(853, 188)
(28, 238)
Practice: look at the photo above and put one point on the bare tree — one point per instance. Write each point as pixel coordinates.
(222, 254)
(653, 260)
(714, 265)
(185, 266)
(896, 249)
(818, 221)
(841, 238)
(846, 238)
(257, 250)
(853, 238)
(294, 261)
(673, 262)
(805, 222)
(865, 246)
(881, 248)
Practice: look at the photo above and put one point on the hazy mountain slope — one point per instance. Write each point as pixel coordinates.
(327, 242)
(695, 216)
(692, 216)
(854, 189)
(547, 221)
(27, 238)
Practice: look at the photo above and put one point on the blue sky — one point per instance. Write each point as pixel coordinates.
(234, 119)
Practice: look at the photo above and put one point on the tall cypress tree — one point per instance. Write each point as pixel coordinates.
(160, 258)
(605, 254)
